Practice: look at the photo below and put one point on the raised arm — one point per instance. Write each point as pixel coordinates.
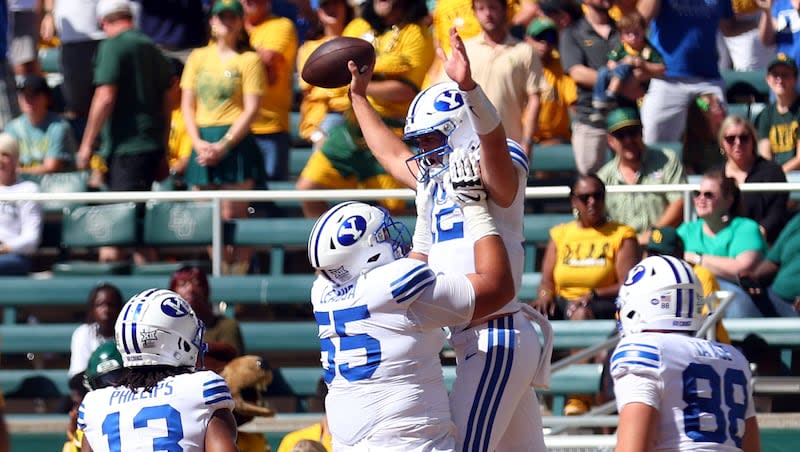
(389, 150)
(497, 170)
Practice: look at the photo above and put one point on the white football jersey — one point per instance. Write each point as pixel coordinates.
(701, 389)
(452, 252)
(173, 416)
(380, 338)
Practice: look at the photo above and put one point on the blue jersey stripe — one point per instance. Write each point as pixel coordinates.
(508, 362)
(482, 386)
(405, 276)
(418, 282)
(635, 354)
(517, 154)
(635, 363)
(218, 400)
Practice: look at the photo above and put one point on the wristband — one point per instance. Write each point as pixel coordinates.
(699, 259)
(477, 221)
(484, 116)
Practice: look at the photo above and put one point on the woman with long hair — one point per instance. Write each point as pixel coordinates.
(722, 241)
(738, 138)
(222, 85)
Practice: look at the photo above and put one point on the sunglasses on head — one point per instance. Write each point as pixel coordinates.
(705, 194)
(743, 138)
(597, 196)
(627, 132)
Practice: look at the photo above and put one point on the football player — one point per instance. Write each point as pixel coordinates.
(492, 402)
(160, 399)
(675, 391)
(381, 313)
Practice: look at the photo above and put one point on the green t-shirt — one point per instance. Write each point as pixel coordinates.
(786, 254)
(741, 234)
(132, 63)
(781, 129)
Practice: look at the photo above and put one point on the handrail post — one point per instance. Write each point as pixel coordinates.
(216, 237)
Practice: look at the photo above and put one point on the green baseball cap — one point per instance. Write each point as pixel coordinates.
(619, 118)
(540, 25)
(782, 59)
(220, 6)
(664, 240)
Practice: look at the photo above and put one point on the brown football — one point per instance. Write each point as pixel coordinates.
(326, 67)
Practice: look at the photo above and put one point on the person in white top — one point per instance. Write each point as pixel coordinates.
(381, 310)
(104, 304)
(20, 221)
(498, 356)
(676, 392)
(160, 401)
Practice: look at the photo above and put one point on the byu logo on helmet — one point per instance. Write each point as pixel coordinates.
(448, 101)
(351, 230)
(174, 307)
(635, 275)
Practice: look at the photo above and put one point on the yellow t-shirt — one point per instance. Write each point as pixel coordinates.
(179, 144)
(317, 102)
(219, 86)
(561, 92)
(459, 14)
(277, 34)
(401, 54)
(585, 257)
(313, 432)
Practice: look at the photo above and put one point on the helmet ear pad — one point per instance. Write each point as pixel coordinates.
(352, 238)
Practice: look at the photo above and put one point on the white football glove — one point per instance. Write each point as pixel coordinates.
(466, 189)
(423, 236)
(466, 186)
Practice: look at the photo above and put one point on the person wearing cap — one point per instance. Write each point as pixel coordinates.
(129, 103)
(46, 142)
(554, 122)
(275, 40)
(778, 123)
(20, 221)
(222, 85)
(508, 70)
(636, 164)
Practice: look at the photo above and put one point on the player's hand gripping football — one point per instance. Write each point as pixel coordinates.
(466, 186)
(360, 80)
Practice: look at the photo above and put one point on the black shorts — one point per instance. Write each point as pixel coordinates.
(135, 172)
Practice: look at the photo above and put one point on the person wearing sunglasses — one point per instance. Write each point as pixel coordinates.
(777, 123)
(636, 164)
(553, 125)
(584, 264)
(722, 241)
(738, 137)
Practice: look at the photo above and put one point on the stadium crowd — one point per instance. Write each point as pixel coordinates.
(201, 95)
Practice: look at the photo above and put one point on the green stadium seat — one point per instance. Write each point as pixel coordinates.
(298, 156)
(537, 234)
(68, 182)
(554, 157)
(93, 227)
